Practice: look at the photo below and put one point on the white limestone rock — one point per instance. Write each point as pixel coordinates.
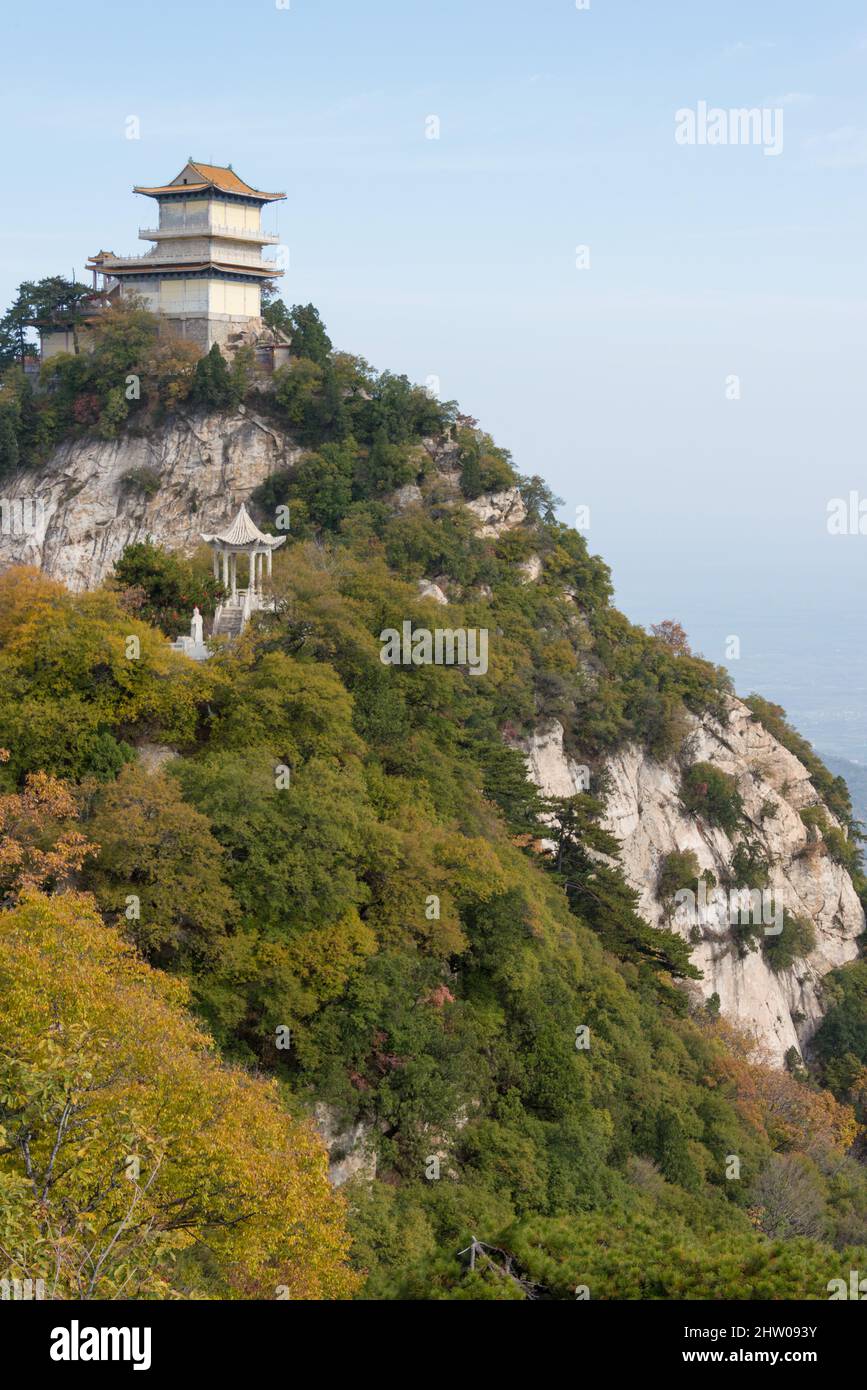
(644, 812)
(207, 464)
(530, 569)
(350, 1152)
(428, 589)
(497, 512)
(154, 756)
(407, 496)
(444, 453)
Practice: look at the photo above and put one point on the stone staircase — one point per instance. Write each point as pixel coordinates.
(229, 620)
(231, 617)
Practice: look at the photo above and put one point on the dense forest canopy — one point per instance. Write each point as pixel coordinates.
(336, 892)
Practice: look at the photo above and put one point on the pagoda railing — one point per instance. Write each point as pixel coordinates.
(156, 258)
(207, 229)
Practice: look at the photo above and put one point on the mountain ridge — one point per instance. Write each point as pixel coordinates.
(482, 993)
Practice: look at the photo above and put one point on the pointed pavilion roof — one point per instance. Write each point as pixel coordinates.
(242, 533)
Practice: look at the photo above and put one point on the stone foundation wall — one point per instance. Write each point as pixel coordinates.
(205, 330)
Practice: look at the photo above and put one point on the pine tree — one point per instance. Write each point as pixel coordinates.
(309, 338)
(9, 451)
(212, 383)
(600, 895)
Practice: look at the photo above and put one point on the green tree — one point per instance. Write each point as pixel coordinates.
(164, 587)
(56, 299)
(9, 452)
(487, 468)
(309, 338)
(383, 468)
(298, 393)
(323, 480)
(601, 895)
(274, 311)
(708, 792)
(213, 385)
(539, 500)
(159, 870)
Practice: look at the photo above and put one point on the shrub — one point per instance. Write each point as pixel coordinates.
(842, 850)
(712, 794)
(144, 480)
(814, 818)
(484, 466)
(794, 942)
(750, 866)
(680, 869)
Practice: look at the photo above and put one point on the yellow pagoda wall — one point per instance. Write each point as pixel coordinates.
(183, 296)
(55, 340)
(225, 297)
(236, 215)
(196, 212)
(148, 294)
(198, 297)
(182, 211)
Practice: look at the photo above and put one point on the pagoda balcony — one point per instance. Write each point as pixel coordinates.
(164, 257)
(207, 229)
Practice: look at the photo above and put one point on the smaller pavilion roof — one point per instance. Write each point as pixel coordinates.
(243, 533)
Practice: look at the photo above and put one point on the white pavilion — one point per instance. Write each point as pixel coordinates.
(242, 537)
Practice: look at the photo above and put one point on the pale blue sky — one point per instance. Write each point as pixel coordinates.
(456, 256)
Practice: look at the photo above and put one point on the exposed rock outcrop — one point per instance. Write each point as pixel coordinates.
(350, 1152)
(154, 756)
(644, 811)
(205, 464)
(407, 496)
(428, 589)
(498, 512)
(94, 497)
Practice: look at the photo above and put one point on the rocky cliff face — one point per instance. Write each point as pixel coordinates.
(95, 497)
(644, 812)
(206, 464)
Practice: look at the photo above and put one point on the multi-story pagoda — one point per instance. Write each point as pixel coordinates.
(204, 274)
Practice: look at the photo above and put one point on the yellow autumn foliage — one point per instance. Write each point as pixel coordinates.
(133, 1163)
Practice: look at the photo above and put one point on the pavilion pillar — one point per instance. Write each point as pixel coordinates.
(269, 562)
(225, 559)
(252, 580)
(216, 564)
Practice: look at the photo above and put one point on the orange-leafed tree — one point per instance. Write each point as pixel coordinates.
(673, 635)
(40, 843)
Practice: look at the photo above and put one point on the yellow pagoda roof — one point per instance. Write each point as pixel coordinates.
(209, 176)
(141, 265)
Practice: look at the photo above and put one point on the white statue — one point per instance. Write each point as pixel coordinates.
(197, 628)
